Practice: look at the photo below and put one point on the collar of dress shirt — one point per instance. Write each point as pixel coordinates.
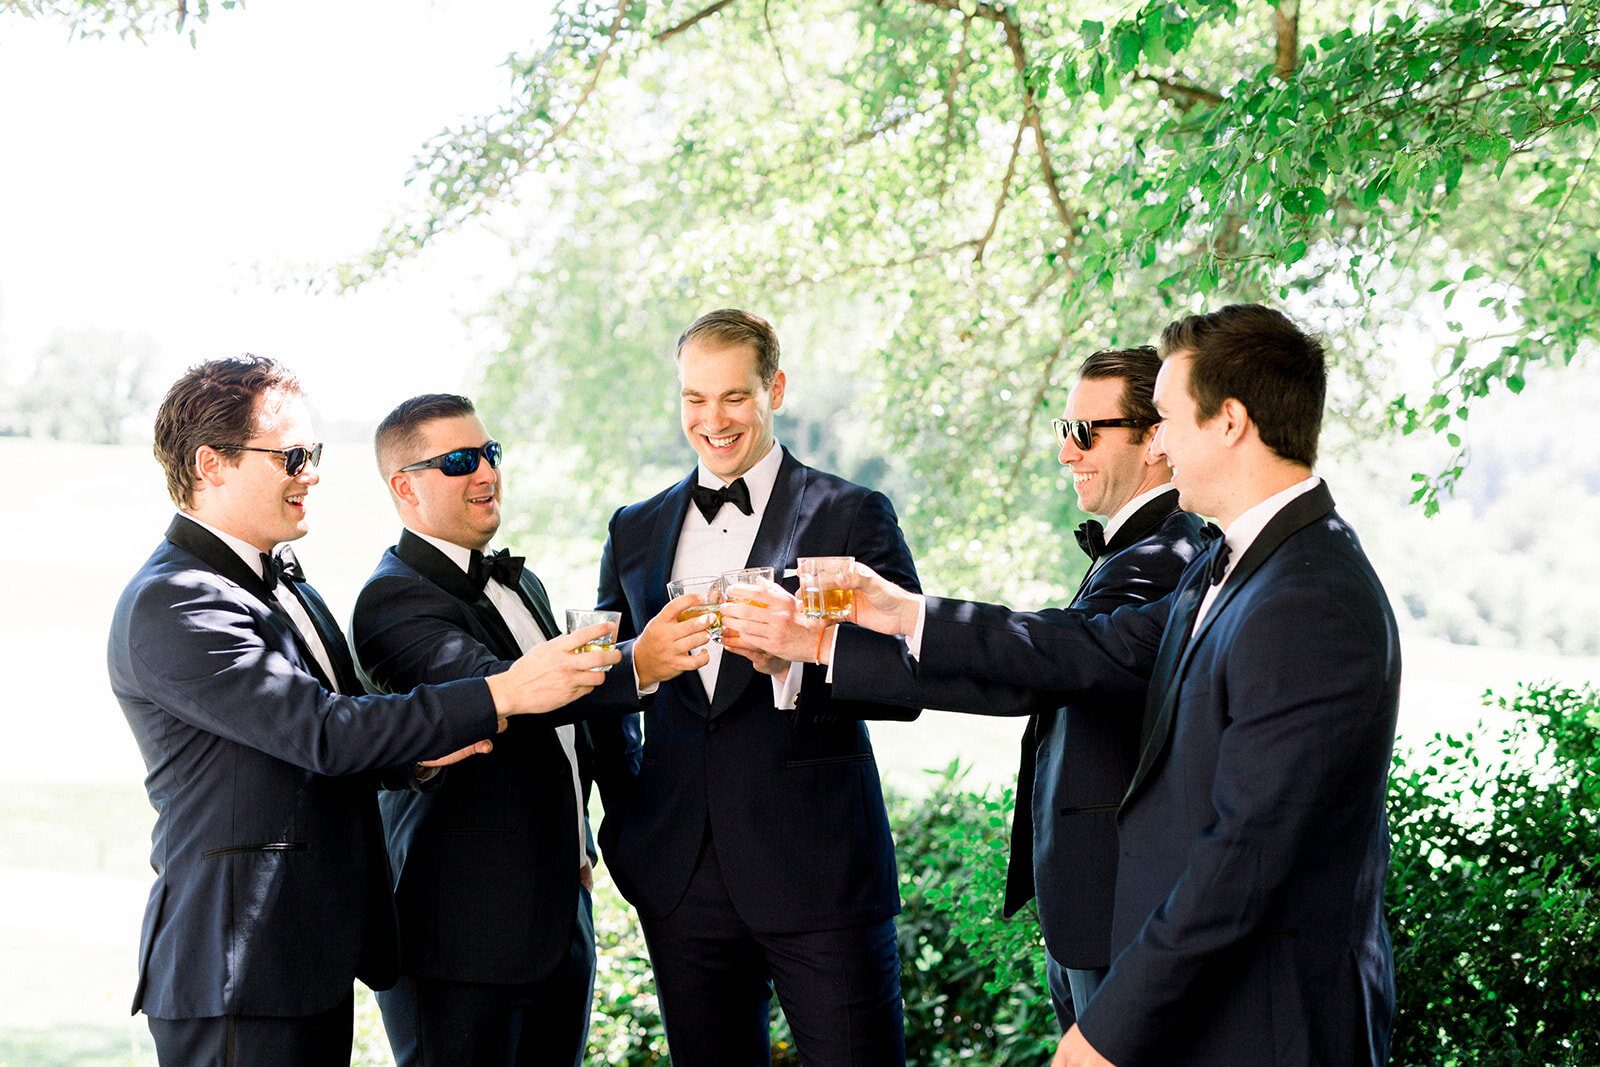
(758, 479)
(1243, 531)
(461, 557)
(1128, 510)
(246, 551)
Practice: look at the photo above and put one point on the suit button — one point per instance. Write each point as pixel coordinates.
(711, 727)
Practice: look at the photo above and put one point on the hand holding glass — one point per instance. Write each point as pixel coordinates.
(709, 588)
(819, 587)
(578, 618)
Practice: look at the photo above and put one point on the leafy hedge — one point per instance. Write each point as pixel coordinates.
(1492, 905)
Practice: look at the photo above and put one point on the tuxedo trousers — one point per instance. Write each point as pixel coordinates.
(715, 977)
(544, 1023)
(321, 1040)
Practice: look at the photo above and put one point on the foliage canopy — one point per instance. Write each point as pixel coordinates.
(958, 199)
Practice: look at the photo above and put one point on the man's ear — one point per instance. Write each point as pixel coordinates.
(1235, 424)
(400, 486)
(209, 466)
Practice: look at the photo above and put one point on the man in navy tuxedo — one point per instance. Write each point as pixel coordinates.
(492, 859)
(272, 887)
(1249, 903)
(1077, 759)
(754, 842)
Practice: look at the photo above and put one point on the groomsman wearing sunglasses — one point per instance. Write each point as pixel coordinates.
(493, 858)
(1248, 925)
(1077, 758)
(272, 887)
(754, 844)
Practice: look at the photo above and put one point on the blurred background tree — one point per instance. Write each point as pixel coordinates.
(944, 205)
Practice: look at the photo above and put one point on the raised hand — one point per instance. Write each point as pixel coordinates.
(765, 624)
(879, 604)
(553, 674)
(668, 646)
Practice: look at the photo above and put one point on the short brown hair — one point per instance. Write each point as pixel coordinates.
(1260, 358)
(399, 435)
(214, 404)
(734, 327)
(1137, 368)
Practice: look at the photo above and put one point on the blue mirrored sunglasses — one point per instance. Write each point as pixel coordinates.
(460, 461)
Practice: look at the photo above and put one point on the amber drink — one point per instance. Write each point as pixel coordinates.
(709, 588)
(578, 618)
(820, 595)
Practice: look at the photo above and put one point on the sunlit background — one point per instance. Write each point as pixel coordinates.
(165, 204)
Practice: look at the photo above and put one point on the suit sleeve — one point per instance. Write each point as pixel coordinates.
(875, 539)
(411, 633)
(1305, 692)
(203, 656)
(871, 666)
(1060, 650)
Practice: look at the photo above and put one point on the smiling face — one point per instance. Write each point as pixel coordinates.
(464, 510)
(1196, 450)
(248, 494)
(1116, 467)
(727, 412)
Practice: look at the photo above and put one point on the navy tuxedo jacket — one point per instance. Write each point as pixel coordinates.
(271, 891)
(1078, 757)
(1249, 926)
(793, 800)
(486, 854)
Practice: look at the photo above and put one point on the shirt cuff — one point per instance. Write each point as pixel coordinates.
(833, 645)
(914, 642)
(786, 690)
(643, 690)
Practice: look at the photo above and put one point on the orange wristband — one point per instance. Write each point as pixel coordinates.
(821, 637)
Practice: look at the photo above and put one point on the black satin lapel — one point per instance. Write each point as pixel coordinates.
(667, 527)
(1143, 523)
(1299, 513)
(442, 571)
(773, 548)
(196, 539)
(1160, 699)
(1177, 647)
(1140, 524)
(774, 543)
(327, 627)
(537, 601)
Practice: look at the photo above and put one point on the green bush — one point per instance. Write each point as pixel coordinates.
(971, 980)
(1491, 892)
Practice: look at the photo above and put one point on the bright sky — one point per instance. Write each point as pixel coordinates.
(160, 191)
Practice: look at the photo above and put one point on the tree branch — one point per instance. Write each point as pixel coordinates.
(1005, 191)
(1286, 19)
(703, 13)
(1193, 93)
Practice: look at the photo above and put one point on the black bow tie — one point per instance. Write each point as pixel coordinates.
(1218, 567)
(1091, 538)
(710, 500)
(502, 566)
(282, 567)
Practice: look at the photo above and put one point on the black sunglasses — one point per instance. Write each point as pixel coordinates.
(460, 461)
(1081, 431)
(296, 458)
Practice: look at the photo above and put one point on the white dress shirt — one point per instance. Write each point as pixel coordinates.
(520, 621)
(709, 548)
